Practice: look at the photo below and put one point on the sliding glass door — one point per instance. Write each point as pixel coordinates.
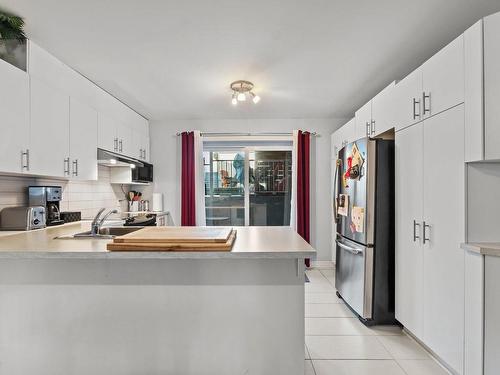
(248, 186)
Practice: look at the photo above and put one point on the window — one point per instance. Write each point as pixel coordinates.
(248, 185)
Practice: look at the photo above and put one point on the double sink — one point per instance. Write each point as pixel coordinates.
(105, 233)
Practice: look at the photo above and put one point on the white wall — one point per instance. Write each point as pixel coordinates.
(165, 152)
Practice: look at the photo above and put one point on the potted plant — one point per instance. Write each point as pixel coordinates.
(13, 40)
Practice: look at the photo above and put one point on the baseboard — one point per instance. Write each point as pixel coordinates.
(324, 264)
(434, 356)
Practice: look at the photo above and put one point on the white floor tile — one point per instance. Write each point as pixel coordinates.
(328, 273)
(319, 287)
(420, 367)
(386, 330)
(328, 310)
(403, 347)
(309, 370)
(336, 326)
(315, 275)
(342, 367)
(345, 347)
(323, 298)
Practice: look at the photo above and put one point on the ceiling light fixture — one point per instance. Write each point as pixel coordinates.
(240, 91)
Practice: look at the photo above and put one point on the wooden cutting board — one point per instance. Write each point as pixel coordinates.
(174, 246)
(176, 235)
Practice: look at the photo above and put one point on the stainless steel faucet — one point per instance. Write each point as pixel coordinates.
(97, 224)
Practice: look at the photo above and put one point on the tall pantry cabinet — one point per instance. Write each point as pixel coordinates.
(430, 204)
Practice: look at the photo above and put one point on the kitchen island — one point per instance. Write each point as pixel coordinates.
(72, 307)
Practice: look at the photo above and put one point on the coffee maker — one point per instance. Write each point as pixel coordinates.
(48, 197)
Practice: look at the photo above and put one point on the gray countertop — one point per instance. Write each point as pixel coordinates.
(483, 248)
(251, 242)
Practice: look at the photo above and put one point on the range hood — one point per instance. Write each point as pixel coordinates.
(110, 159)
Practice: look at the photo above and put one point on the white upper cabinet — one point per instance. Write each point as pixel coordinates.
(408, 100)
(14, 114)
(140, 144)
(482, 90)
(443, 79)
(107, 139)
(383, 111)
(124, 136)
(474, 88)
(49, 131)
(364, 123)
(83, 141)
(492, 87)
(343, 136)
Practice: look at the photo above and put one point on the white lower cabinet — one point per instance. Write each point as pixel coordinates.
(430, 209)
(14, 115)
(474, 313)
(49, 131)
(444, 231)
(83, 141)
(409, 146)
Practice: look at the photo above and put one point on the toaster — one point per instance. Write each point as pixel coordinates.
(22, 218)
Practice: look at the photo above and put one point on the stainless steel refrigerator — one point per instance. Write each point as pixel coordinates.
(364, 215)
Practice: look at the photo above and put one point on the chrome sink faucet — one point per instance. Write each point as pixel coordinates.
(97, 224)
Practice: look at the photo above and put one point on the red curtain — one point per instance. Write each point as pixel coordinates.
(303, 219)
(188, 197)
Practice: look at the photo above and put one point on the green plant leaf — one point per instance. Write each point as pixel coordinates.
(11, 26)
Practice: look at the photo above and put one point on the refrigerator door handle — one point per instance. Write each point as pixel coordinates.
(335, 192)
(350, 249)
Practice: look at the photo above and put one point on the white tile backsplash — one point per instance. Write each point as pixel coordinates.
(85, 196)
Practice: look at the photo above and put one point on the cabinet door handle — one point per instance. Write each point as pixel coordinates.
(415, 114)
(140, 153)
(367, 129)
(144, 154)
(115, 144)
(75, 167)
(372, 127)
(66, 166)
(25, 155)
(415, 225)
(425, 239)
(121, 145)
(424, 98)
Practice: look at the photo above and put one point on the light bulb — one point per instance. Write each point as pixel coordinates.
(242, 97)
(132, 166)
(234, 101)
(112, 161)
(256, 98)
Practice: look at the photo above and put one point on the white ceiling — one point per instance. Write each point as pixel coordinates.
(309, 58)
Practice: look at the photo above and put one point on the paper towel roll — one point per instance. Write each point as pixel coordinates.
(157, 202)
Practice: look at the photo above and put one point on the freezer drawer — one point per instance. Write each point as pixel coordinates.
(354, 275)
